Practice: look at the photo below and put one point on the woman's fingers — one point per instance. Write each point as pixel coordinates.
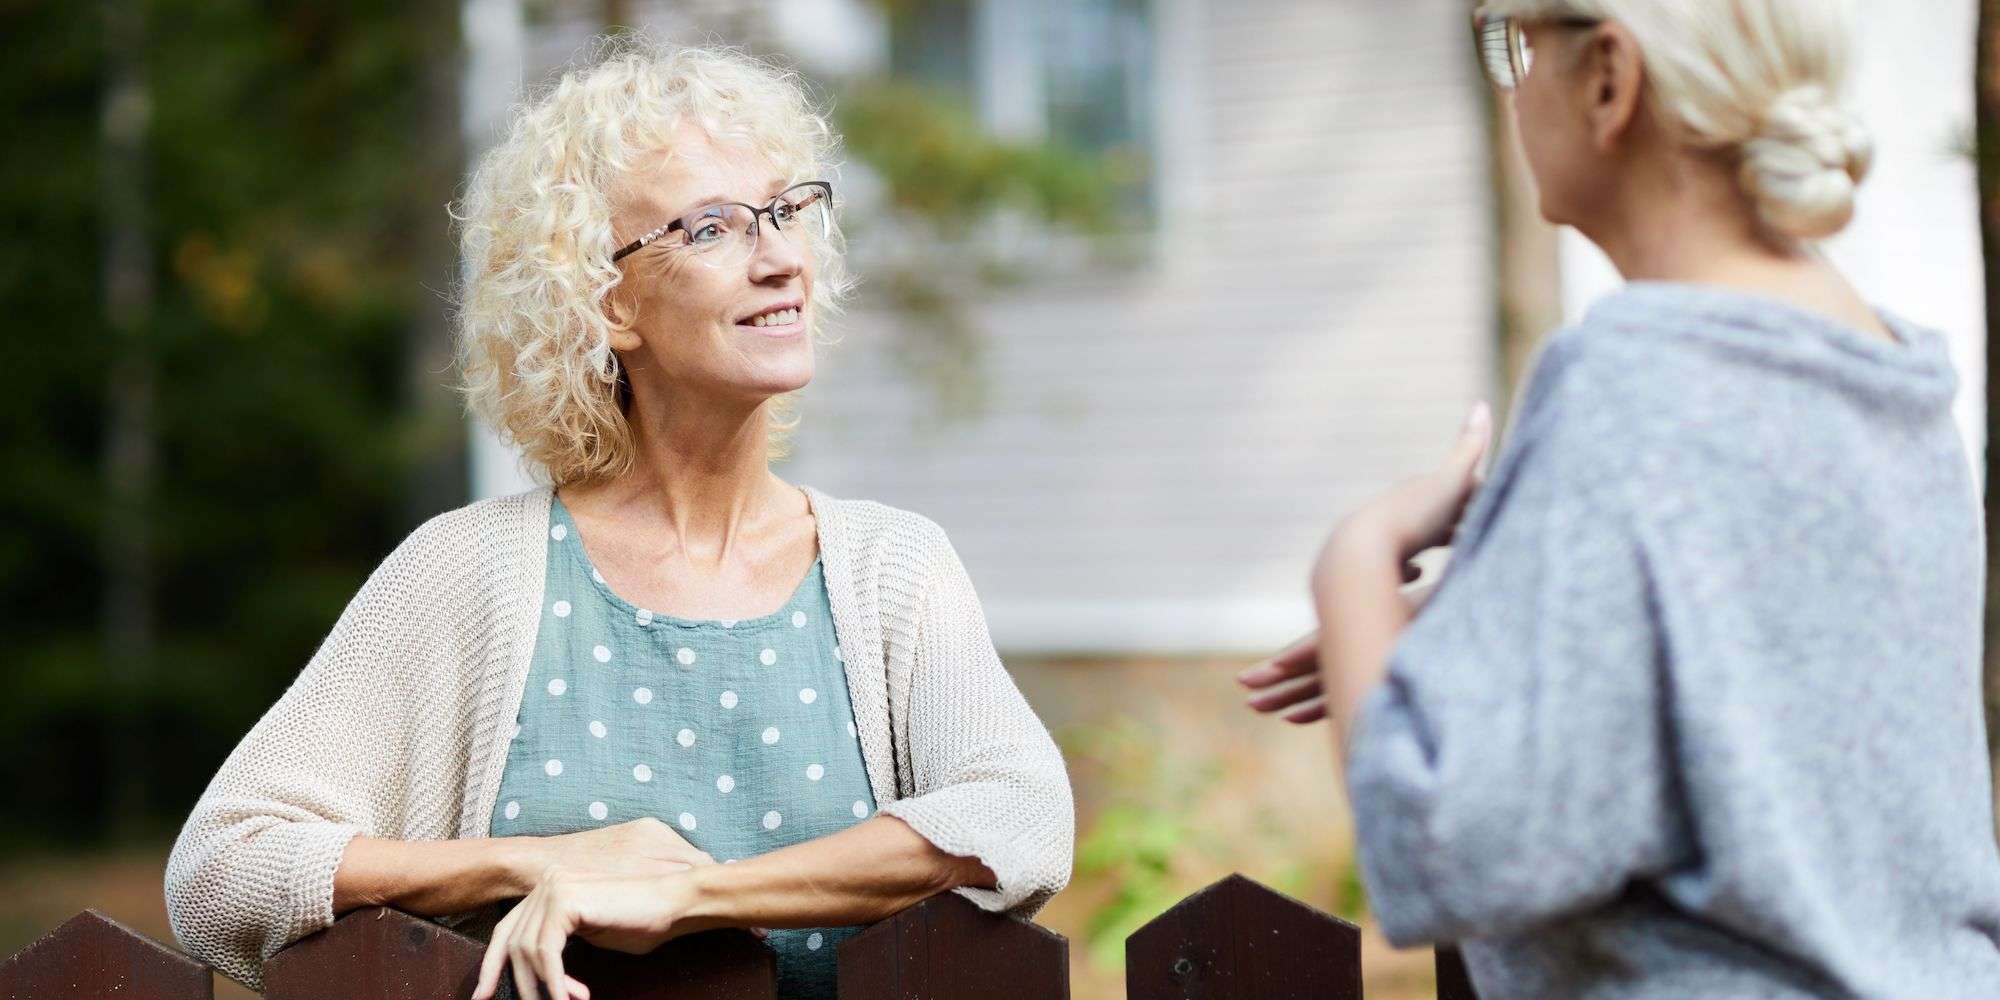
(543, 935)
(1473, 441)
(577, 990)
(1296, 660)
(1311, 711)
(521, 946)
(524, 976)
(1284, 697)
(548, 961)
(496, 957)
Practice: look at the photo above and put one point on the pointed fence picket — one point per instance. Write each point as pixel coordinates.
(1234, 940)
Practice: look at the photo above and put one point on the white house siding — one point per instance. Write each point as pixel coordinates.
(1163, 450)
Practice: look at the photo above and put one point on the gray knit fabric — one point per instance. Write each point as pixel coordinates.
(1695, 712)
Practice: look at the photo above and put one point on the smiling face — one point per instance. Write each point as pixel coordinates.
(731, 333)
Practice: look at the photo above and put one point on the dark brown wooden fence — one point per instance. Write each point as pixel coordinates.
(92, 956)
(1235, 940)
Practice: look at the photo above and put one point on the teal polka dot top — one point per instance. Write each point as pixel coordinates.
(737, 733)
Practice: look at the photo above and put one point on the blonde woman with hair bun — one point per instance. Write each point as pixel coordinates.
(1694, 710)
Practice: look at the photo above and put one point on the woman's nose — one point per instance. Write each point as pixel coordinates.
(779, 252)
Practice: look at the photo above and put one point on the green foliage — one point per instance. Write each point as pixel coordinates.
(1158, 837)
(281, 200)
(1145, 841)
(939, 164)
(945, 179)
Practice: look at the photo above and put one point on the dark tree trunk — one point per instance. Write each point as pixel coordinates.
(1987, 104)
(441, 477)
(129, 425)
(1526, 272)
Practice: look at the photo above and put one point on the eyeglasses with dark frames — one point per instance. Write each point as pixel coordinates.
(1504, 52)
(725, 233)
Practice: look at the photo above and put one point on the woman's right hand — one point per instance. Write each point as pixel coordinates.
(640, 847)
(1288, 685)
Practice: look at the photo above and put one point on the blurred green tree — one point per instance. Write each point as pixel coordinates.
(286, 157)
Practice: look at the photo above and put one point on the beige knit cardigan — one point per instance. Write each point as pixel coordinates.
(398, 726)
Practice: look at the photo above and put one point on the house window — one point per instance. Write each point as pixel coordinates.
(1076, 73)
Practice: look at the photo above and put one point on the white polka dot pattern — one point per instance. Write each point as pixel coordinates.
(450, 618)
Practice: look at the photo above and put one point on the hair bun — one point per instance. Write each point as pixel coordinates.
(1805, 162)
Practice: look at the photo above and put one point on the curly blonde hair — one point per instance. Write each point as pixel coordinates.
(534, 336)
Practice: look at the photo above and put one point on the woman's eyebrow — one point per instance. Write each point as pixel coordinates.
(703, 202)
(776, 188)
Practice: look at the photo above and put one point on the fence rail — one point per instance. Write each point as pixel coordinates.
(1234, 940)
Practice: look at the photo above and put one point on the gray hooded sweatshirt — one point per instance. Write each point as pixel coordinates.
(1695, 711)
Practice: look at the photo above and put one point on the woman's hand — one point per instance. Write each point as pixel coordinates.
(1302, 699)
(622, 912)
(640, 847)
(1360, 590)
(1417, 514)
(628, 857)
(1289, 685)
(1421, 512)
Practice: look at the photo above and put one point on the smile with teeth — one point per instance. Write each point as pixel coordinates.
(776, 317)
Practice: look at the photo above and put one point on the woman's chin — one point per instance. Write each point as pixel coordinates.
(779, 379)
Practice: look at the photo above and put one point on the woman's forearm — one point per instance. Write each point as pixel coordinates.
(435, 877)
(1357, 590)
(865, 873)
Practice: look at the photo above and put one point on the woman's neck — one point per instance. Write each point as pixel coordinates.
(701, 474)
(1689, 224)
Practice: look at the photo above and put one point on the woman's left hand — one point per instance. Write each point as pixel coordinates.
(629, 913)
(1418, 513)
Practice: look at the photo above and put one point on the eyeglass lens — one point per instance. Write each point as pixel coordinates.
(728, 234)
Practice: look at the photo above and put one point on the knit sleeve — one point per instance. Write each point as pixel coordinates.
(253, 867)
(1516, 765)
(988, 779)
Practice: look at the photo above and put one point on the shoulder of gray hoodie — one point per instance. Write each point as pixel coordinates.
(1695, 710)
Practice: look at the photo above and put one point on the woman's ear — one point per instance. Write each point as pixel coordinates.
(1615, 72)
(621, 313)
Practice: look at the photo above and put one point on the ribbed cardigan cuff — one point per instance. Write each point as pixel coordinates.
(1022, 875)
(305, 857)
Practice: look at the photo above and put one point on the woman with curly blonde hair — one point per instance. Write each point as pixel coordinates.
(594, 694)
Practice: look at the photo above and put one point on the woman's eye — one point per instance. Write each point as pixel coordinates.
(708, 233)
(784, 213)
